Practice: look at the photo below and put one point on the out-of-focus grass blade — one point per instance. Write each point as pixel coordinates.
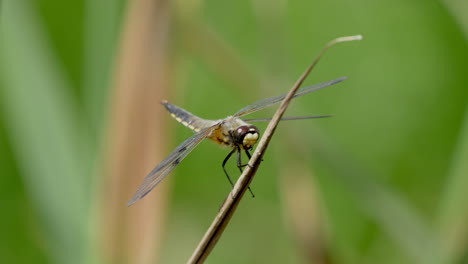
(453, 214)
(459, 8)
(43, 127)
(101, 28)
(100, 33)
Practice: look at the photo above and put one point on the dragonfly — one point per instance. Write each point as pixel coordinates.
(231, 132)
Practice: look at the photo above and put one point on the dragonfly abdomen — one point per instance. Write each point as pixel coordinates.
(186, 118)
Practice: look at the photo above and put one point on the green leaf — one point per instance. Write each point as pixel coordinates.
(44, 126)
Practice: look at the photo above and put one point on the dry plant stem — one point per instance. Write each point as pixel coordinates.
(232, 200)
(133, 138)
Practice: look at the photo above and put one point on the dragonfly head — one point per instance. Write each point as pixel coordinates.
(246, 136)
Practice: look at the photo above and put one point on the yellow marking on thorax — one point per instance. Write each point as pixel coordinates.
(218, 137)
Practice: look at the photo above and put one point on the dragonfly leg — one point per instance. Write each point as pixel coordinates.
(224, 166)
(240, 166)
(249, 156)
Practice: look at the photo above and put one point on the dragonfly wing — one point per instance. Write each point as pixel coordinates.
(286, 118)
(169, 163)
(261, 104)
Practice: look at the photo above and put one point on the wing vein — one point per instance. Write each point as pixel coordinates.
(169, 163)
(261, 104)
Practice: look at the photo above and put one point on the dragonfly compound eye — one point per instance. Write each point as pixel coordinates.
(246, 136)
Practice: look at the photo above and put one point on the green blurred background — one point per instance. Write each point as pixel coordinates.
(383, 181)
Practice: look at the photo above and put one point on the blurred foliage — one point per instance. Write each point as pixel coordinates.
(390, 166)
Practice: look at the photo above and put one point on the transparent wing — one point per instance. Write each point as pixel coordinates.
(286, 118)
(169, 163)
(261, 104)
